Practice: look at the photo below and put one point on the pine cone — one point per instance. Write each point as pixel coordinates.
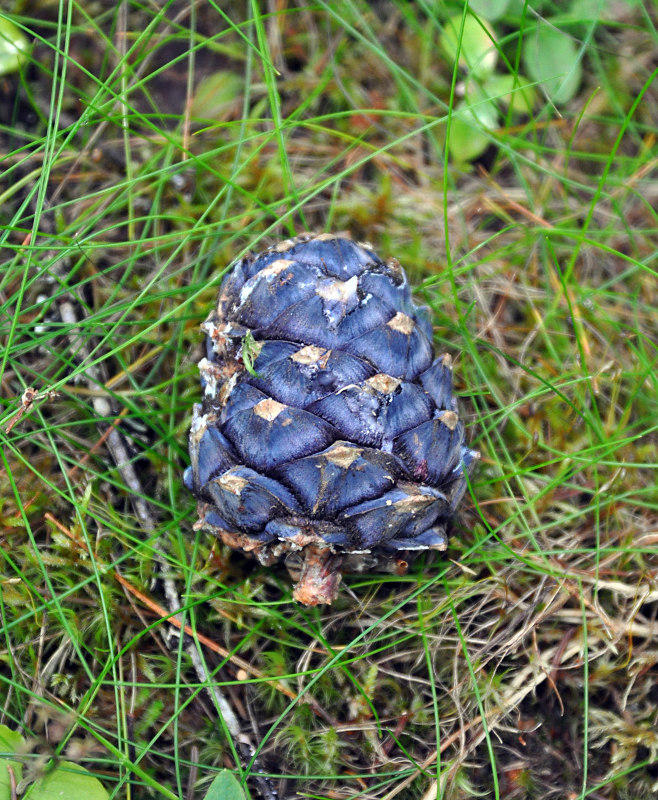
(328, 433)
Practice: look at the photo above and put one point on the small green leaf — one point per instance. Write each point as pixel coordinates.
(489, 9)
(13, 47)
(250, 350)
(468, 140)
(10, 741)
(477, 52)
(517, 8)
(588, 11)
(225, 786)
(511, 91)
(551, 58)
(67, 780)
(10, 744)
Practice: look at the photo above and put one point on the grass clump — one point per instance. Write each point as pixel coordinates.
(143, 148)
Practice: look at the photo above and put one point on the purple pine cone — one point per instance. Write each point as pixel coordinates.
(328, 434)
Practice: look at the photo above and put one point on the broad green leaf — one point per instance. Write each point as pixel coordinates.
(477, 52)
(66, 782)
(225, 787)
(491, 10)
(515, 9)
(511, 91)
(10, 743)
(588, 11)
(468, 140)
(550, 58)
(13, 47)
(585, 10)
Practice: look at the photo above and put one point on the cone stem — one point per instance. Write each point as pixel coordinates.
(320, 576)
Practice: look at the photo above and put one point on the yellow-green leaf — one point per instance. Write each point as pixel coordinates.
(468, 137)
(512, 92)
(489, 9)
(477, 48)
(13, 46)
(11, 743)
(551, 59)
(225, 786)
(67, 781)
